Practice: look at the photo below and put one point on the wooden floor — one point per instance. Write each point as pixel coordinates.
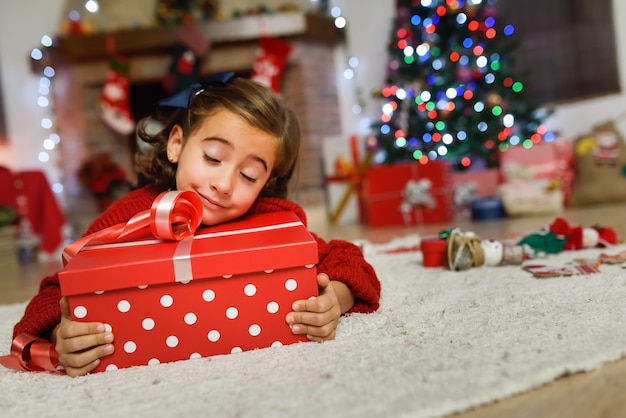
(599, 393)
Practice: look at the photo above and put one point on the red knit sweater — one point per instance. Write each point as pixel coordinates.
(341, 260)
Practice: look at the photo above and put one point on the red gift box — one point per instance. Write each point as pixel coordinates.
(544, 160)
(388, 198)
(222, 290)
(485, 183)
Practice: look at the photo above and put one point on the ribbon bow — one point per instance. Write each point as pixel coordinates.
(174, 215)
(416, 193)
(182, 99)
(31, 354)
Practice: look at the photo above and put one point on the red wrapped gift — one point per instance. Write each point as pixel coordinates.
(544, 160)
(484, 183)
(222, 290)
(409, 193)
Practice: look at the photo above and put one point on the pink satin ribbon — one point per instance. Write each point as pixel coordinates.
(173, 216)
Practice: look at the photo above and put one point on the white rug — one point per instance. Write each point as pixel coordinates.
(442, 342)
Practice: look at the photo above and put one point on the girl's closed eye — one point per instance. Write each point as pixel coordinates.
(248, 178)
(211, 159)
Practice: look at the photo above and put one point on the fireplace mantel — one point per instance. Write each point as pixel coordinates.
(81, 49)
(308, 85)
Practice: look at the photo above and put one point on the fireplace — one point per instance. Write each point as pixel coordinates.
(308, 85)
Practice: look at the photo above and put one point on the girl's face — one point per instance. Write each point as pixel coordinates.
(226, 161)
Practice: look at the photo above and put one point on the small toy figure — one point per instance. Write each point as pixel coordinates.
(465, 250)
(561, 236)
(606, 150)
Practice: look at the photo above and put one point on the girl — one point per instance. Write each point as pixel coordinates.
(235, 144)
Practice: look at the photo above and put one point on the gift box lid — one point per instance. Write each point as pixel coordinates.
(261, 242)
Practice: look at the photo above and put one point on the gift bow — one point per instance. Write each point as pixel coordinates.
(416, 193)
(32, 354)
(174, 215)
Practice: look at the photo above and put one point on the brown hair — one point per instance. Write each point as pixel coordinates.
(253, 102)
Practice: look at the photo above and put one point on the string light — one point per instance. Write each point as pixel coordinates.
(458, 82)
(52, 141)
(92, 6)
(349, 73)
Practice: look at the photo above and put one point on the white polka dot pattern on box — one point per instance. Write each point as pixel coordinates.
(208, 295)
(190, 318)
(147, 324)
(169, 318)
(249, 290)
(254, 330)
(291, 285)
(167, 301)
(123, 306)
(232, 313)
(172, 341)
(130, 346)
(272, 307)
(80, 312)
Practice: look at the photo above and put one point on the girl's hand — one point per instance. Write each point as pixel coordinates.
(318, 318)
(80, 345)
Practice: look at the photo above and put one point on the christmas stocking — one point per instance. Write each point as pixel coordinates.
(190, 49)
(270, 62)
(114, 103)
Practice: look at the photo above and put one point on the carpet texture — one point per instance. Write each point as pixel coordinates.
(442, 342)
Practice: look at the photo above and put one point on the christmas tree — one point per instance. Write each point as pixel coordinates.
(450, 91)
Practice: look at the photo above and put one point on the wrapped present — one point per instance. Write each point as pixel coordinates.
(344, 178)
(545, 160)
(223, 289)
(408, 193)
(473, 184)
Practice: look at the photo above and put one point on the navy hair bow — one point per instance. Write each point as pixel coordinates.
(182, 99)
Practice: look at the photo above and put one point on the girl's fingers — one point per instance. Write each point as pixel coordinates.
(81, 371)
(71, 329)
(83, 342)
(323, 333)
(85, 361)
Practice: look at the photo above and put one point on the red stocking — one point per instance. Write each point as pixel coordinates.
(270, 62)
(114, 103)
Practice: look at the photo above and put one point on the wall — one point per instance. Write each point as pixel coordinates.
(369, 25)
(307, 85)
(22, 24)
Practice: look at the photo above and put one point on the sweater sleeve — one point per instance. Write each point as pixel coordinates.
(43, 313)
(344, 262)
